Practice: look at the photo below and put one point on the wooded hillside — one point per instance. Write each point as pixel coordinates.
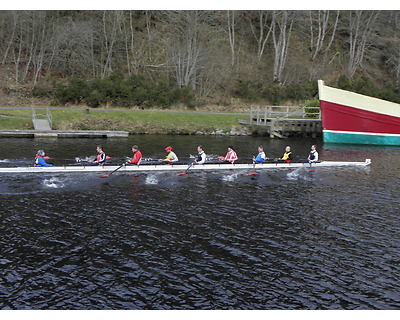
(162, 58)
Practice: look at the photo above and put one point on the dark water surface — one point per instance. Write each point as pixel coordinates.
(282, 239)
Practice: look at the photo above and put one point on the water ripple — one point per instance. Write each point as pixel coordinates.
(326, 241)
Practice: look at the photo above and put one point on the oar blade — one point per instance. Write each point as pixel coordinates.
(107, 175)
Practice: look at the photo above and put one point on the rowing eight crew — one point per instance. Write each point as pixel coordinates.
(171, 157)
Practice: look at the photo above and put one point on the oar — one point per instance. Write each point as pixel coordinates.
(183, 173)
(107, 175)
(254, 166)
(309, 170)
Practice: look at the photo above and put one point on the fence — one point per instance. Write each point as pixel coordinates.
(259, 114)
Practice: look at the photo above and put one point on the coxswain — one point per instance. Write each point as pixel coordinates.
(261, 155)
(313, 156)
(287, 156)
(137, 156)
(171, 156)
(101, 157)
(39, 159)
(231, 155)
(201, 156)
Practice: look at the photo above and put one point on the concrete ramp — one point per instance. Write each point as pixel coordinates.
(41, 125)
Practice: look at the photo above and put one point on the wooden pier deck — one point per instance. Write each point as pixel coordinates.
(285, 121)
(42, 123)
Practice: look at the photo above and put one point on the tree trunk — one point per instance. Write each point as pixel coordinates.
(282, 23)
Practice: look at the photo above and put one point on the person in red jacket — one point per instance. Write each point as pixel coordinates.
(137, 156)
(231, 156)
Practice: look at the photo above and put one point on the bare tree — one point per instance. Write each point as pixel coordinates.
(135, 43)
(282, 23)
(261, 32)
(14, 23)
(231, 33)
(360, 27)
(320, 28)
(71, 52)
(187, 44)
(111, 25)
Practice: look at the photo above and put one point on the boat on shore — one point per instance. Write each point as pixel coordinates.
(352, 118)
(180, 167)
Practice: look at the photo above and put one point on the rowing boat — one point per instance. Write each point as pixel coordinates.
(349, 117)
(180, 167)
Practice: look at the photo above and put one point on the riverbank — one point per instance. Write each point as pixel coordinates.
(133, 121)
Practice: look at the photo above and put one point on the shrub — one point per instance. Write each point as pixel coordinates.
(133, 91)
(312, 108)
(75, 92)
(248, 90)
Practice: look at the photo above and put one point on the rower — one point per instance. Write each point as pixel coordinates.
(100, 158)
(39, 160)
(201, 156)
(313, 156)
(261, 155)
(137, 156)
(287, 156)
(231, 156)
(171, 156)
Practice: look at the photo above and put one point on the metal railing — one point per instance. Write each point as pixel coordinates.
(261, 113)
(48, 115)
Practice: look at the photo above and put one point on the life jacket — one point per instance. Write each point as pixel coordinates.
(37, 160)
(260, 157)
(171, 156)
(101, 158)
(231, 156)
(199, 157)
(312, 155)
(286, 156)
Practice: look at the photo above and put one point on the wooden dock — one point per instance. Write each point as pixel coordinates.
(63, 134)
(285, 121)
(42, 123)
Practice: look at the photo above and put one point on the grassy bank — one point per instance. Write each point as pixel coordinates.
(135, 122)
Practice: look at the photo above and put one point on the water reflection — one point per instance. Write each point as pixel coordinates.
(280, 239)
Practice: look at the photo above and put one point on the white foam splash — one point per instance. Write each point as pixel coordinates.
(230, 177)
(300, 174)
(151, 179)
(53, 183)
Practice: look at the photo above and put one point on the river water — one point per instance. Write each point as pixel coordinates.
(281, 239)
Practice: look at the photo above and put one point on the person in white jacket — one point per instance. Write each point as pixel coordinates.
(313, 156)
(201, 157)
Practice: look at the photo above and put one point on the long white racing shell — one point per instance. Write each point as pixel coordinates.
(180, 167)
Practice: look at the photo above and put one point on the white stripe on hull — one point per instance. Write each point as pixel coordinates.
(356, 100)
(165, 168)
(364, 133)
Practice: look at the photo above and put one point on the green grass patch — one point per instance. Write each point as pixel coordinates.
(135, 122)
(15, 119)
(138, 122)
